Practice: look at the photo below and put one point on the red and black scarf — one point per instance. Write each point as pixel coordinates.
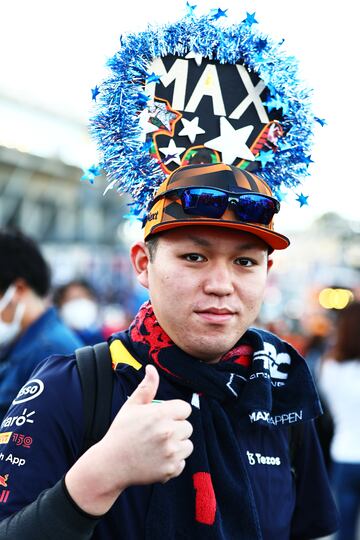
(259, 381)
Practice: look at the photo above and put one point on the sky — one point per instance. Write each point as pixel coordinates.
(53, 53)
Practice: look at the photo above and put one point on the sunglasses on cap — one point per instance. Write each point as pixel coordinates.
(212, 203)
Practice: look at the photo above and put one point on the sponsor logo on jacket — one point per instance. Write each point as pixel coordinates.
(277, 364)
(31, 390)
(288, 418)
(3, 480)
(4, 493)
(14, 460)
(257, 458)
(19, 420)
(5, 437)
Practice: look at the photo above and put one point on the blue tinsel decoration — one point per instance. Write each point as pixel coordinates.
(121, 98)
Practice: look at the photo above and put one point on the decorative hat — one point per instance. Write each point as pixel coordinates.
(167, 212)
(198, 91)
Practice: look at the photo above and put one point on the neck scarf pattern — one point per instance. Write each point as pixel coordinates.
(262, 380)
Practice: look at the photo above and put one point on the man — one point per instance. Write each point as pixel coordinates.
(30, 330)
(200, 445)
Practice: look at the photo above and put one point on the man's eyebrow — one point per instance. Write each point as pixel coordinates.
(205, 243)
(199, 240)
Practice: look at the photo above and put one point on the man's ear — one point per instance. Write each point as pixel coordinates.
(270, 262)
(140, 259)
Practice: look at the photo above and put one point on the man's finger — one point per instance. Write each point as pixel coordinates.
(146, 391)
(177, 409)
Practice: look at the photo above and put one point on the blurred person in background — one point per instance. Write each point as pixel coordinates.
(78, 306)
(116, 318)
(340, 383)
(30, 329)
(320, 330)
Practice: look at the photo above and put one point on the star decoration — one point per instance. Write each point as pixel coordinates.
(142, 99)
(168, 158)
(302, 199)
(191, 128)
(91, 173)
(265, 157)
(94, 93)
(250, 19)
(146, 126)
(161, 116)
(196, 56)
(320, 121)
(217, 13)
(261, 44)
(276, 102)
(172, 152)
(190, 8)
(232, 142)
(133, 218)
(152, 78)
(307, 160)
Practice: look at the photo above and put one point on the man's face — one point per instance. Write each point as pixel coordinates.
(206, 286)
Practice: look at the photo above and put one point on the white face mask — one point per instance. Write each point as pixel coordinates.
(9, 331)
(80, 313)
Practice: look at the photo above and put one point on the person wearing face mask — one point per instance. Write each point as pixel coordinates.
(30, 329)
(78, 307)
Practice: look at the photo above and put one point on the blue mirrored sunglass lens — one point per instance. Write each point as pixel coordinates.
(204, 202)
(255, 209)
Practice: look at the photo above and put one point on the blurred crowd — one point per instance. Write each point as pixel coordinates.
(330, 344)
(38, 319)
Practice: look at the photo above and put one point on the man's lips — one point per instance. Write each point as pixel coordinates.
(215, 315)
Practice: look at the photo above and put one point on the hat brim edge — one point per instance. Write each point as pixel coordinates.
(273, 239)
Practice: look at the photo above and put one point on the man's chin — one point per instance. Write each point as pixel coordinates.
(209, 352)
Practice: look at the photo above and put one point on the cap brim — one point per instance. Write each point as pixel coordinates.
(273, 239)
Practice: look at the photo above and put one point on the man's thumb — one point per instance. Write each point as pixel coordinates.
(146, 391)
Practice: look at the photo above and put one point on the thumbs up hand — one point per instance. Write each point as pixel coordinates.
(146, 443)
(149, 442)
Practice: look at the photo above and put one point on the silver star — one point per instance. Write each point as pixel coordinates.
(173, 152)
(146, 126)
(159, 111)
(191, 128)
(232, 142)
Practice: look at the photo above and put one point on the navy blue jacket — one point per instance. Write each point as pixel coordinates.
(42, 435)
(46, 336)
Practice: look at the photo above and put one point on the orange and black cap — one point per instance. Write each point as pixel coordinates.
(167, 213)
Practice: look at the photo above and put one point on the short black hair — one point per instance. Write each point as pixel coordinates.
(152, 244)
(60, 292)
(20, 257)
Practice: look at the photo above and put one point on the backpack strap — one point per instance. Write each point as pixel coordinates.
(96, 376)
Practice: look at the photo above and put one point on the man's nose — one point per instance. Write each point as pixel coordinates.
(219, 281)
